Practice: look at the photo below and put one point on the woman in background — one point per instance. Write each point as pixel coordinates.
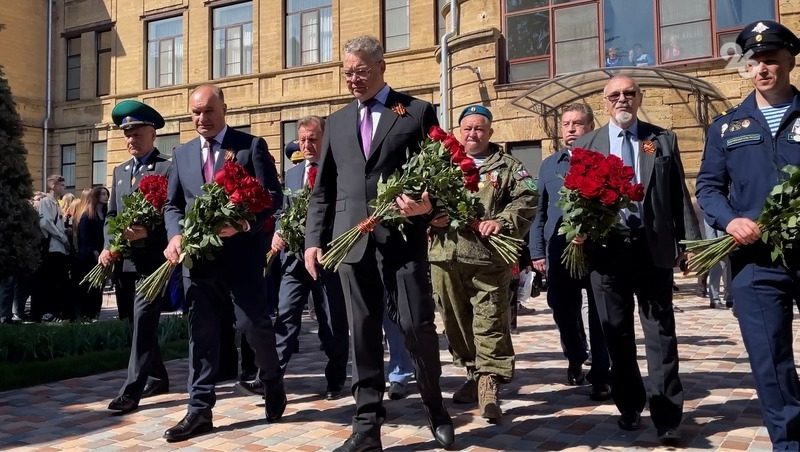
(90, 243)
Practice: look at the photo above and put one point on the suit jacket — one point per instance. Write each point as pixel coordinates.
(667, 213)
(548, 214)
(347, 182)
(186, 181)
(146, 254)
(292, 181)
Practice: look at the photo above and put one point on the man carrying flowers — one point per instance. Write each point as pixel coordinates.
(470, 280)
(639, 261)
(147, 375)
(235, 274)
(746, 149)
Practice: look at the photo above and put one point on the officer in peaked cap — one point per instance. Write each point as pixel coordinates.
(147, 375)
(744, 153)
(767, 35)
(129, 114)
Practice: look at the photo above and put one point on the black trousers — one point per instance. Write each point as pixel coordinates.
(565, 298)
(620, 270)
(125, 292)
(409, 295)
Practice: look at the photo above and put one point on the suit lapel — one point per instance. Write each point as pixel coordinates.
(353, 134)
(194, 158)
(388, 118)
(646, 159)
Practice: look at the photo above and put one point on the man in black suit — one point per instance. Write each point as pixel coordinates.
(296, 283)
(564, 293)
(235, 274)
(365, 142)
(147, 375)
(641, 263)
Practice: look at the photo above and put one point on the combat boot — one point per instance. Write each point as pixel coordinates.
(488, 398)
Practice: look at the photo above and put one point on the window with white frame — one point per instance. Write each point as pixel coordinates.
(165, 52)
(309, 32)
(68, 165)
(233, 40)
(99, 163)
(395, 25)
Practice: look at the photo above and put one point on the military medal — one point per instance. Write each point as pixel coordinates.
(745, 123)
(399, 109)
(648, 147)
(229, 155)
(494, 178)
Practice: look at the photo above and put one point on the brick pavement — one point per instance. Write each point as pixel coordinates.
(721, 411)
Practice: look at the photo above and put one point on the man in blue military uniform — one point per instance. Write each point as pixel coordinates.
(745, 150)
(147, 375)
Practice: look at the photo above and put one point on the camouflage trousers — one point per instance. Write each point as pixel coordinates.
(473, 303)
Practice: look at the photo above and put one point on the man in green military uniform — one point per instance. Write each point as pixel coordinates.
(470, 282)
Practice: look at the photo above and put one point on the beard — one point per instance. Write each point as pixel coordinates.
(623, 117)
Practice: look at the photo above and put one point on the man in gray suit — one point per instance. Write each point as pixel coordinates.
(641, 262)
(365, 142)
(237, 272)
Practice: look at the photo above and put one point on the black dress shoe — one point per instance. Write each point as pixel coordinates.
(669, 436)
(442, 427)
(333, 392)
(123, 404)
(575, 376)
(274, 401)
(254, 387)
(397, 391)
(630, 421)
(600, 392)
(154, 388)
(190, 426)
(361, 442)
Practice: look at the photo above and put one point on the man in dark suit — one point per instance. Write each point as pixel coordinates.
(564, 293)
(296, 284)
(147, 375)
(641, 263)
(745, 150)
(365, 142)
(235, 274)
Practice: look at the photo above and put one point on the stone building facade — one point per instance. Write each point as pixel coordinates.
(278, 61)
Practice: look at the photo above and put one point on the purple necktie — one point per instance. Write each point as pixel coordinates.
(366, 127)
(208, 166)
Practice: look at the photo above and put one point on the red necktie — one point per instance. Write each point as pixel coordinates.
(311, 177)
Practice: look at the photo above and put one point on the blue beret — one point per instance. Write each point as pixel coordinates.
(132, 113)
(767, 35)
(475, 110)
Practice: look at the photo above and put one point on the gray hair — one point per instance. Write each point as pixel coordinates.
(366, 44)
(312, 120)
(580, 108)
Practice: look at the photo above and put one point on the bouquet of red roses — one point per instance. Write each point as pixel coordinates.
(441, 168)
(293, 220)
(144, 207)
(233, 198)
(596, 188)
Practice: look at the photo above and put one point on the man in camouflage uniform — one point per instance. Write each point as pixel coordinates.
(470, 281)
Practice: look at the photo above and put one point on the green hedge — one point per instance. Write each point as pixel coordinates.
(43, 342)
(42, 353)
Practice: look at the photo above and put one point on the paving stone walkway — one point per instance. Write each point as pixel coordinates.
(541, 412)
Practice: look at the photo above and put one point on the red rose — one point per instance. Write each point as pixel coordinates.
(154, 189)
(450, 143)
(609, 197)
(467, 165)
(636, 192)
(590, 188)
(471, 181)
(437, 134)
(572, 181)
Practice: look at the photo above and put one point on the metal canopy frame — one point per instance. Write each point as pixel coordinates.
(547, 98)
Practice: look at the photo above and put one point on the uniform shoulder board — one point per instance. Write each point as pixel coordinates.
(726, 112)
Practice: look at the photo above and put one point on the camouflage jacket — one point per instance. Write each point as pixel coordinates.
(507, 194)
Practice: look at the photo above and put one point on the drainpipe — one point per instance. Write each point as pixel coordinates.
(48, 94)
(444, 82)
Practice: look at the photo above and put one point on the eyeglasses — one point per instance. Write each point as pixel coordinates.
(359, 74)
(614, 97)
